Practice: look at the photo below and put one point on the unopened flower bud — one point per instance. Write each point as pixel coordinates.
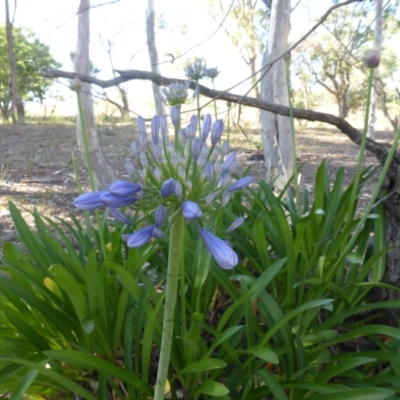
(175, 116)
(168, 188)
(372, 59)
(206, 128)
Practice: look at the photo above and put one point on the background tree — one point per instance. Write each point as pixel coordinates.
(16, 102)
(378, 38)
(102, 170)
(154, 63)
(31, 57)
(335, 57)
(275, 129)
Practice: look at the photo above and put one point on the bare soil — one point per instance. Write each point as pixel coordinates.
(36, 168)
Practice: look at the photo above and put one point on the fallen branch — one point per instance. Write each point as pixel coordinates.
(127, 75)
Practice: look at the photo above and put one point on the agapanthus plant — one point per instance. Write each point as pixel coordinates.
(185, 181)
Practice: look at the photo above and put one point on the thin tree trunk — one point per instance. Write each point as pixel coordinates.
(151, 45)
(275, 129)
(17, 107)
(102, 170)
(378, 38)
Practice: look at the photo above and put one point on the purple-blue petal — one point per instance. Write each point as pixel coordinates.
(140, 237)
(89, 201)
(159, 215)
(168, 188)
(191, 210)
(124, 188)
(196, 148)
(141, 125)
(175, 116)
(216, 131)
(155, 129)
(119, 216)
(229, 164)
(111, 200)
(241, 183)
(219, 249)
(206, 128)
(238, 222)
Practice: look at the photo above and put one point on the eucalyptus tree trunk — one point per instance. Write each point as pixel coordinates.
(378, 38)
(102, 170)
(17, 106)
(151, 45)
(275, 129)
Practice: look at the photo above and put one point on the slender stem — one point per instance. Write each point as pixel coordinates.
(85, 142)
(174, 256)
(215, 102)
(294, 160)
(89, 167)
(357, 175)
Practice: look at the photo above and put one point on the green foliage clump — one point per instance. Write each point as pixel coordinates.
(31, 57)
(286, 324)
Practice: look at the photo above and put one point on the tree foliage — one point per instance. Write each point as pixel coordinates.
(334, 59)
(31, 57)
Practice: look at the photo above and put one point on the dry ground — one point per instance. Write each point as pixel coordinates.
(36, 167)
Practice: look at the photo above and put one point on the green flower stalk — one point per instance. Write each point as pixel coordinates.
(185, 182)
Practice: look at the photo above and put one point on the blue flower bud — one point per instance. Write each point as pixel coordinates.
(130, 169)
(209, 170)
(141, 126)
(201, 162)
(111, 200)
(209, 198)
(124, 188)
(216, 131)
(157, 150)
(178, 190)
(205, 130)
(229, 164)
(140, 237)
(219, 249)
(159, 215)
(135, 148)
(155, 129)
(163, 124)
(157, 173)
(238, 222)
(157, 233)
(240, 183)
(168, 188)
(225, 148)
(175, 116)
(191, 210)
(119, 216)
(182, 136)
(196, 148)
(190, 131)
(225, 199)
(89, 201)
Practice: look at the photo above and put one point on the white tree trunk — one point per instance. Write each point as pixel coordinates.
(151, 45)
(17, 106)
(378, 38)
(102, 170)
(275, 130)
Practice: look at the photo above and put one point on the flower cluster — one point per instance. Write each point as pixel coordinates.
(176, 93)
(197, 70)
(212, 73)
(192, 175)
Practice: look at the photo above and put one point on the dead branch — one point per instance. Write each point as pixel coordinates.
(352, 133)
